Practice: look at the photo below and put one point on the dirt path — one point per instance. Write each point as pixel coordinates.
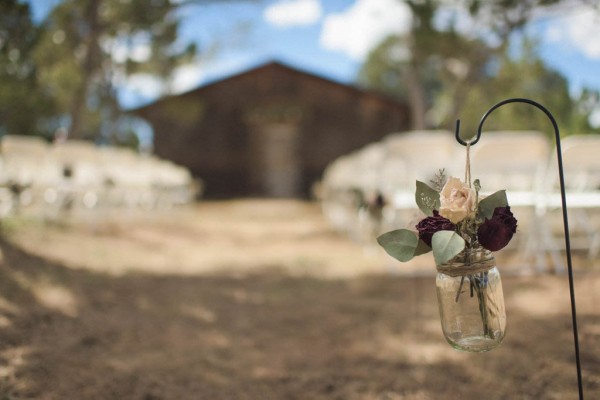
(146, 309)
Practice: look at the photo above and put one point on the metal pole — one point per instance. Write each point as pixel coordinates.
(564, 211)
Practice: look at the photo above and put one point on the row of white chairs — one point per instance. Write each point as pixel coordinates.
(522, 162)
(80, 174)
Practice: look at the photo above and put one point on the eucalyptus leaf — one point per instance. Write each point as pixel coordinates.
(446, 245)
(402, 244)
(422, 248)
(490, 203)
(427, 199)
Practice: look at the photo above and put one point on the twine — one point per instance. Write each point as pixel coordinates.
(460, 268)
(472, 268)
(468, 165)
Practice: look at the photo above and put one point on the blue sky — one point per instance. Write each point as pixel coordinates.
(332, 37)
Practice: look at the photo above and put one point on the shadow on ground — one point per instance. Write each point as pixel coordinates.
(68, 334)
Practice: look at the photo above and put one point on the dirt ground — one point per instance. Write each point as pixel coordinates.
(260, 299)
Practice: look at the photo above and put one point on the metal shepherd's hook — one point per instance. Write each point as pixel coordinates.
(564, 211)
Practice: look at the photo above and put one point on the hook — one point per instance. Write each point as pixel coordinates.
(500, 104)
(564, 210)
(458, 138)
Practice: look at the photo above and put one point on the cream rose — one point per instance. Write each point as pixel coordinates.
(457, 200)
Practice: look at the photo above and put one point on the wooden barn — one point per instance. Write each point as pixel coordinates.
(269, 131)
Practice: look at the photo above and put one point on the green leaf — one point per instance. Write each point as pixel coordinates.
(491, 202)
(446, 245)
(427, 199)
(402, 244)
(422, 248)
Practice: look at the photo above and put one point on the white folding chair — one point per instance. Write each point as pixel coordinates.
(515, 161)
(581, 164)
(423, 154)
(79, 165)
(26, 162)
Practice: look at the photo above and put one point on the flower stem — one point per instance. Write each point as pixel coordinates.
(480, 283)
(462, 280)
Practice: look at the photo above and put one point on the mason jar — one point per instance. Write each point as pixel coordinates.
(471, 302)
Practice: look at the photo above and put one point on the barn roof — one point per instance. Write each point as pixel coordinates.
(277, 65)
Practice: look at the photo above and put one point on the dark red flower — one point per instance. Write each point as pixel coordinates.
(430, 225)
(495, 233)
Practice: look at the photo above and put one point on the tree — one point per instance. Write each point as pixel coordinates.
(585, 105)
(89, 46)
(24, 107)
(434, 62)
(524, 75)
(421, 77)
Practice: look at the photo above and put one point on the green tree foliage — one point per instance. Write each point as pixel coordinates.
(430, 59)
(25, 108)
(586, 104)
(89, 47)
(445, 75)
(524, 75)
(420, 77)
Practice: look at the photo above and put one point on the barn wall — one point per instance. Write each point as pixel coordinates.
(216, 130)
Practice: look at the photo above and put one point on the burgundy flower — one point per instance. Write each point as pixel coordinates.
(430, 225)
(496, 232)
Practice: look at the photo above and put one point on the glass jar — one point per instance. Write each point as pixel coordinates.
(471, 301)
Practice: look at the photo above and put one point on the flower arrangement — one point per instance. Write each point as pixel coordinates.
(461, 227)
(457, 217)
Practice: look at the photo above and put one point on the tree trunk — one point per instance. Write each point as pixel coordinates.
(416, 96)
(90, 64)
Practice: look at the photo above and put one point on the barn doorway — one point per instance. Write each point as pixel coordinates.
(277, 169)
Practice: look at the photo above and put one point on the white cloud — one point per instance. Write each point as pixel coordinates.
(455, 16)
(580, 29)
(187, 77)
(363, 26)
(136, 48)
(141, 88)
(206, 70)
(288, 13)
(144, 85)
(141, 53)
